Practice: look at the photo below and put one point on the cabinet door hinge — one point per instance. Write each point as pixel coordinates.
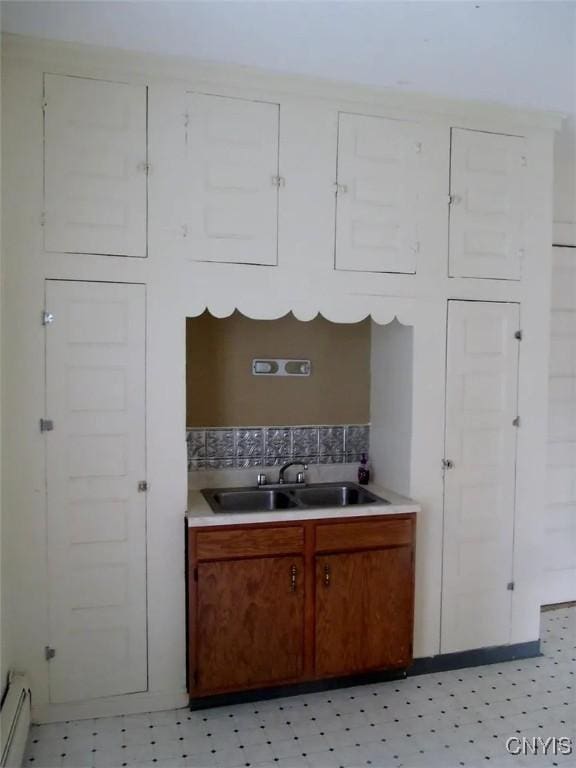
(510, 586)
(49, 652)
(516, 421)
(47, 318)
(46, 425)
(519, 335)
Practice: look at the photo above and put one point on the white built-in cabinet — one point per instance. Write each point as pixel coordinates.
(480, 474)
(231, 180)
(377, 194)
(487, 205)
(385, 186)
(95, 167)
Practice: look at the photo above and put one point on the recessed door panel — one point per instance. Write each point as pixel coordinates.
(481, 406)
(488, 205)
(95, 166)
(232, 180)
(377, 208)
(95, 455)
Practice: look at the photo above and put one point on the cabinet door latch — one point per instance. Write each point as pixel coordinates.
(49, 652)
(143, 486)
(447, 464)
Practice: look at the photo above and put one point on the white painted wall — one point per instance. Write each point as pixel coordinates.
(5, 644)
(304, 281)
(392, 383)
(560, 512)
(565, 183)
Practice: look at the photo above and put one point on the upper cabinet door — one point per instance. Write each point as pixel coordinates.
(487, 205)
(232, 180)
(95, 167)
(377, 209)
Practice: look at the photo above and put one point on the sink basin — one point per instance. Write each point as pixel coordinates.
(248, 500)
(302, 497)
(335, 495)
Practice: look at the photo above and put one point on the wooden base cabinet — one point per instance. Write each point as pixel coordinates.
(277, 604)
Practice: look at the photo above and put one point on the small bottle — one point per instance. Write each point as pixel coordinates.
(363, 471)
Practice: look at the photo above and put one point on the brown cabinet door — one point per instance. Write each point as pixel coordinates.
(250, 622)
(364, 610)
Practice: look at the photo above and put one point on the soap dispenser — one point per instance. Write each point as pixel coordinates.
(363, 471)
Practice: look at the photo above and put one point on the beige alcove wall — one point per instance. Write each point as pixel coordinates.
(221, 390)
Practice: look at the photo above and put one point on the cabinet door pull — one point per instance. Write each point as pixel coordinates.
(293, 573)
(326, 575)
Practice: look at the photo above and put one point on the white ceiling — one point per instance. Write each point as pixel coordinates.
(520, 53)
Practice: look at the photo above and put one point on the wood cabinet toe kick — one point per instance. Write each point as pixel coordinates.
(278, 604)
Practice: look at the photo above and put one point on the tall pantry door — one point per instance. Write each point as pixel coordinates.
(95, 459)
(480, 479)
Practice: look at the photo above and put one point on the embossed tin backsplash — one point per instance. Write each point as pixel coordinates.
(246, 447)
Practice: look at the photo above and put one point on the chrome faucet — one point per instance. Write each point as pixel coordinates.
(299, 478)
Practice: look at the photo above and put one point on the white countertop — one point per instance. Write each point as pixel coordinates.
(200, 514)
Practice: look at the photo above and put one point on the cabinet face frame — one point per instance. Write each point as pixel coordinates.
(308, 549)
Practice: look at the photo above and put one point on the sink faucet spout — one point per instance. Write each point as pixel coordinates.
(301, 479)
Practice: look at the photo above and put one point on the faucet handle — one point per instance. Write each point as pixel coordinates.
(261, 479)
(300, 477)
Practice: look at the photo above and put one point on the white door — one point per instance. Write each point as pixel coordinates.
(488, 205)
(479, 501)
(95, 456)
(560, 511)
(232, 180)
(95, 172)
(377, 200)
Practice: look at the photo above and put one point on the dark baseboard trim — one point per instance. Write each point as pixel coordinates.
(422, 666)
(296, 689)
(475, 658)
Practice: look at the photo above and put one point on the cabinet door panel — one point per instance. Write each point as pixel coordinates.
(479, 499)
(250, 622)
(364, 611)
(487, 178)
(232, 200)
(95, 151)
(377, 206)
(96, 519)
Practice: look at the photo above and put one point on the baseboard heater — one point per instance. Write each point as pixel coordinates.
(15, 721)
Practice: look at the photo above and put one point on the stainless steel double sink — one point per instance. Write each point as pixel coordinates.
(289, 496)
